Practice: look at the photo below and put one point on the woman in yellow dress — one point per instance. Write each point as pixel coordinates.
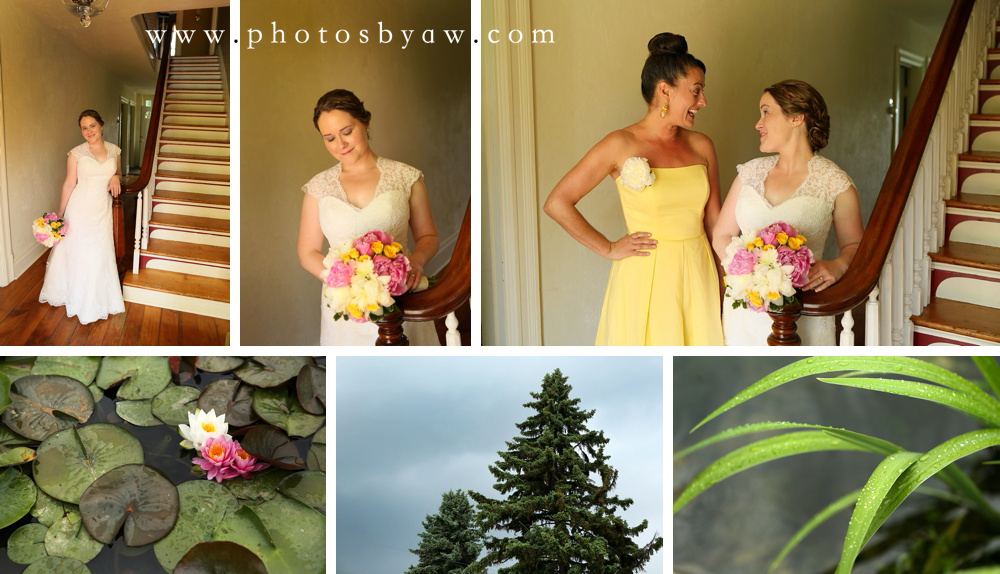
(663, 288)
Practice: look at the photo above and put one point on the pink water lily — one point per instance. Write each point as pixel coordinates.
(244, 463)
(216, 457)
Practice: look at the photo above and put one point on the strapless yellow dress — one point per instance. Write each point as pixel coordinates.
(670, 297)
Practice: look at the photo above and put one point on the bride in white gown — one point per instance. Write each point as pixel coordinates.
(798, 187)
(363, 192)
(81, 272)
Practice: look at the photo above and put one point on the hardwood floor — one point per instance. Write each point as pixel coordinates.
(25, 321)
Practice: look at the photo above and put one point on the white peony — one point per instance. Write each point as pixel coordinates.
(202, 426)
(636, 174)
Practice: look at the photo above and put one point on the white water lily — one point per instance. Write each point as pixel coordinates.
(201, 427)
(636, 174)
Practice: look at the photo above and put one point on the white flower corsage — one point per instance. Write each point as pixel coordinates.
(636, 174)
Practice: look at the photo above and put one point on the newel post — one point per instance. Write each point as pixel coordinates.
(118, 224)
(783, 332)
(390, 330)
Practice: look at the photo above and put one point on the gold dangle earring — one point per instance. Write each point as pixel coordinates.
(663, 111)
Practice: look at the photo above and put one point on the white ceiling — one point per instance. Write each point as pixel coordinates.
(929, 13)
(111, 38)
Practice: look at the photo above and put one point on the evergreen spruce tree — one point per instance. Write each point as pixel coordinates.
(559, 505)
(451, 540)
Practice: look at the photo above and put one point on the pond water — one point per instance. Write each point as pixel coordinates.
(161, 445)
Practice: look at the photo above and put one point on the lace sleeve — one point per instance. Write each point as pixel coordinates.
(324, 183)
(113, 150)
(79, 151)
(401, 175)
(830, 180)
(752, 173)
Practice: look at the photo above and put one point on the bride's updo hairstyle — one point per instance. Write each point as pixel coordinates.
(343, 100)
(668, 61)
(796, 97)
(90, 114)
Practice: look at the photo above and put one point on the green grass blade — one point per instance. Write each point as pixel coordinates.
(820, 517)
(982, 570)
(872, 495)
(930, 464)
(771, 448)
(983, 411)
(991, 372)
(820, 365)
(753, 428)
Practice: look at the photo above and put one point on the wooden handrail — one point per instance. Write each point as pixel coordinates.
(118, 214)
(863, 273)
(452, 289)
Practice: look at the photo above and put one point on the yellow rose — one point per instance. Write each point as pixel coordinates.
(794, 242)
(353, 253)
(363, 258)
(377, 247)
(397, 246)
(355, 311)
(345, 257)
(773, 296)
(755, 299)
(800, 238)
(389, 251)
(750, 246)
(758, 242)
(782, 238)
(768, 247)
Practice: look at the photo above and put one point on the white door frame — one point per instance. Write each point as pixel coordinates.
(910, 60)
(6, 255)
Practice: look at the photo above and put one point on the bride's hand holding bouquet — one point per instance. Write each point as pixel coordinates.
(764, 269)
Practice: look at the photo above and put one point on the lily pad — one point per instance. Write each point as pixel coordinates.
(4, 392)
(139, 413)
(47, 509)
(203, 505)
(57, 565)
(287, 535)
(268, 372)
(311, 389)
(308, 487)
(140, 377)
(83, 369)
(316, 457)
(27, 544)
(173, 404)
(270, 444)
(261, 486)
(16, 367)
(135, 496)
(44, 404)
(219, 364)
(281, 409)
(220, 557)
(228, 396)
(10, 453)
(70, 460)
(69, 539)
(18, 495)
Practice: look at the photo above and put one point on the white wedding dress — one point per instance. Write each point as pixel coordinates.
(810, 211)
(81, 272)
(388, 211)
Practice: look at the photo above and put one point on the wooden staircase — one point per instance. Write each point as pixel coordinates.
(965, 273)
(183, 263)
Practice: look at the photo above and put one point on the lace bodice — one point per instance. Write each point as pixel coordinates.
(83, 150)
(388, 211)
(809, 209)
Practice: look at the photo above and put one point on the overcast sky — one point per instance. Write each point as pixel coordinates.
(410, 429)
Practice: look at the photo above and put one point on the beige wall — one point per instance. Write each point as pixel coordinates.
(46, 83)
(587, 84)
(420, 103)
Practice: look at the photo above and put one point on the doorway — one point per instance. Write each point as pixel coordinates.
(6, 241)
(909, 74)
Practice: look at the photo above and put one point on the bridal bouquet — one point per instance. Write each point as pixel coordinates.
(49, 229)
(763, 269)
(362, 277)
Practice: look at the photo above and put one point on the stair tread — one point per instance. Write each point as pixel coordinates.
(190, 251)
(969, 255)
(192, 175)
(193, 114)
(190, 222)
(215, 159)
(977, 155)
(177, 125)
(975, 201)
(961, 318)
(200, 143)
(207, 198)
(196, 286)
(985, 117)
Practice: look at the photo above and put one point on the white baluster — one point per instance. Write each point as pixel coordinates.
(138, 233)
(888, 302)
(847, 329)
(147, 213)
(452, 337)
(872, 319)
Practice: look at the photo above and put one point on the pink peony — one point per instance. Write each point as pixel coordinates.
(41, 236)
(50, 216)
(800, 259)
(243, 463)
(742, 263)
(396, 269)
(217, 456)
(779, 226)
(364, 243)
(340, 275)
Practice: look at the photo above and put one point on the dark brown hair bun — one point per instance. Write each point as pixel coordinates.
(796, 97)
(90, 114)
(343, 100)
(668, 61)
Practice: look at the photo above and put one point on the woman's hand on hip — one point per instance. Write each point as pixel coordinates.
(638, 243)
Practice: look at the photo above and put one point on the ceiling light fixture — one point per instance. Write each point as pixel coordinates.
(86, 9)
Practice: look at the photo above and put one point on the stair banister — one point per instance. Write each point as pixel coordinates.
(869, 262)
(131, 190)
(452, 289)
